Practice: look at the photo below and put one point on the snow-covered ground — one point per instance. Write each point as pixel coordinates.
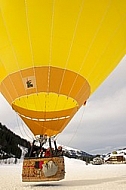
(78, 176)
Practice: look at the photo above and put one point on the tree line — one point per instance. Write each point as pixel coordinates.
(10, 143)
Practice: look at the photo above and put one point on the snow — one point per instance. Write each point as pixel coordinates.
(78, 176)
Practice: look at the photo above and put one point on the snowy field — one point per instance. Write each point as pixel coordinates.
(78, 176)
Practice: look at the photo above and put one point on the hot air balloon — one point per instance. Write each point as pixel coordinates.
(55, 54)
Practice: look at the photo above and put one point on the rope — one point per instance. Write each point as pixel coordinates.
(76, 130)
(30, 137)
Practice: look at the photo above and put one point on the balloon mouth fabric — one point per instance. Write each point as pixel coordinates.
(46, 98)
(46, 102)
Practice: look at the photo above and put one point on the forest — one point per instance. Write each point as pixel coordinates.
(10, 143)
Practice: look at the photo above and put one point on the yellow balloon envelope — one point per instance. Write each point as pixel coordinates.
(55, 53)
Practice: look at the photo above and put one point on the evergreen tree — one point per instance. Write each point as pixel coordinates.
(10, 143)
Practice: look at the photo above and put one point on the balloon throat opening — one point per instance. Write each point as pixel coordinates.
(45, 102)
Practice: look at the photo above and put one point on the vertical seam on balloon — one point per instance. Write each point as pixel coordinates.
(78, 18)
(13, 51)
(112, 36)
(10, 81)
(91, 46)
(29, 37)
(51, 32)
(74, 34)
(30, 43)
(51, 39)
(108, 44)
(102, 53)
(85, 57)
(50, 54)
(7, 90)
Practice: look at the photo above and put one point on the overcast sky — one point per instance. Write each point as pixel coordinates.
(99, 127)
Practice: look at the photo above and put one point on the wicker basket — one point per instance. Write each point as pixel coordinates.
(43, 169)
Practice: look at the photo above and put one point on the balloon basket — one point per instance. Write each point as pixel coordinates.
(43, 169)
